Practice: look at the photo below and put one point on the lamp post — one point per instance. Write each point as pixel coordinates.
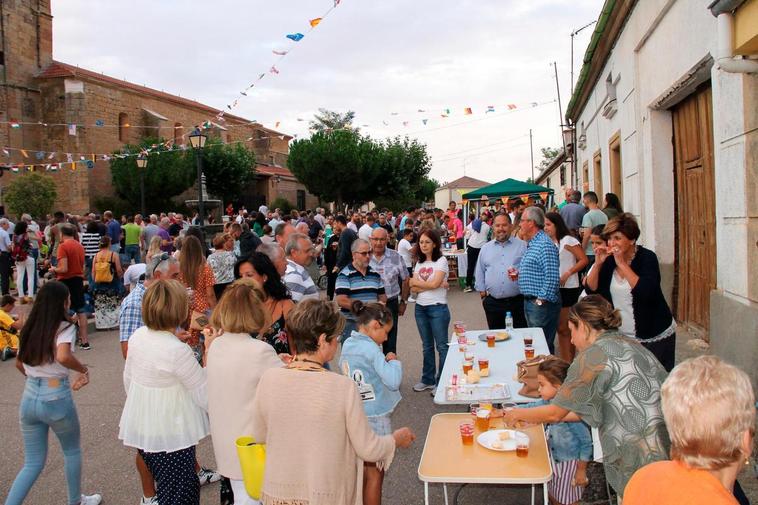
(197, 141)
(141, 165)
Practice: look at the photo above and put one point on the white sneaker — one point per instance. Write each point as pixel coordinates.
(411, 299)
(207, 476)
(92, 499)
(153, 500)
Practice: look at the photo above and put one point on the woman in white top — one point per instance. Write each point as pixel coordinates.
(572, 261)
(235, 363)
(45, 357)
(165, 416)
(429, 285)
(477, 232)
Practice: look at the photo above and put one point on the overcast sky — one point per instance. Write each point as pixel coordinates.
(384, 59)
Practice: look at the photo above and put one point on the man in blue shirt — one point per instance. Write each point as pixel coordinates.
(499, 293)
(539, 275)
(114, 231)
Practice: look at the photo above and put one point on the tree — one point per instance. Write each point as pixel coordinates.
(33, 194)
(168, 173)
(327, 120)
(548, 155)
(229, 169)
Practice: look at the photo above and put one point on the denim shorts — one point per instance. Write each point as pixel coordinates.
(382, 425)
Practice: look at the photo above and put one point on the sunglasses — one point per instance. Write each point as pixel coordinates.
(362, 253)
(163, 257)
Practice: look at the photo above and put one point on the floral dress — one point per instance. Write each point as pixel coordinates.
(276, 334)
(199, 300)
(615, 385)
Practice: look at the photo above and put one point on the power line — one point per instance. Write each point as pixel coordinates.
(479, 154)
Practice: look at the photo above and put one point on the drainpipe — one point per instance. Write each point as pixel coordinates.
(725, 58)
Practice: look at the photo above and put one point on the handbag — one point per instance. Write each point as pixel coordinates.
(252, 458)
(527, 375)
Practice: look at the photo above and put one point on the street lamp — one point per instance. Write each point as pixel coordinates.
(142, 165)
(197, 141)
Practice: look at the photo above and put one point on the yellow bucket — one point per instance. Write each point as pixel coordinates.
(252, 460)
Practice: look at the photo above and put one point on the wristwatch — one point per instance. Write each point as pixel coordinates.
(539, 302)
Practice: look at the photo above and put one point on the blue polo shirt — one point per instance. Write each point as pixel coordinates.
(366, 288)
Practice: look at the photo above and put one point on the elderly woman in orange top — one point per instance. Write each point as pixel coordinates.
(709, 409)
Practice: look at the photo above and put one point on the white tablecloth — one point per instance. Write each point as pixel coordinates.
(503, 358)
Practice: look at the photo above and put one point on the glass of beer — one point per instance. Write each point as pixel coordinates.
(467, 432)
(467, 367)
(483, 419)
(522, 445)
(484, 367)
(468, 356)
(490, 340)
(529, 352)
(462, 347)
(528, 341)
(459, 327)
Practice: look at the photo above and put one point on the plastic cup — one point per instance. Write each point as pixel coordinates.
(462, 347)
(483, 419)
(513, 274)
(467, 367)
(490, 340)
(522, 446)
(468, 356)
(528, 352)
(528, 341)
(484, 367)
(461, 338)
(466, 429)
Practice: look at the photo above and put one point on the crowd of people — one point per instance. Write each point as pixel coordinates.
(222, 335)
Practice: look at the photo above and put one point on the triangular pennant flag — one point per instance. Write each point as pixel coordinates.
(279, 53)
(314, 22)
(51, 156)
(467, 111)
(534, 104)
(15, 125)
(99, 122)
(405, 123)
(72, 130)
(511, 106)
(39, 155)
(6, 152)
(424, 121)
(297, 37)
(69, 157)
(277, 124)
(24, 153)
(273, 69)
(490, 108)
(336, 3)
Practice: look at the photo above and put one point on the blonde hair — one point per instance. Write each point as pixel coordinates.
(165, 305)
(596, 312)
(241, 309)
(192, 261)
(154, 247)
(708, 404)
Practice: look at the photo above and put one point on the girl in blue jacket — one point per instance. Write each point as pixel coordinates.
(377, 377)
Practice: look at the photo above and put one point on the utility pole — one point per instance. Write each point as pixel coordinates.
(531, 153)
(573, 34)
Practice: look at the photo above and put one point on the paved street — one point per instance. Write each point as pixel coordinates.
(109, 466)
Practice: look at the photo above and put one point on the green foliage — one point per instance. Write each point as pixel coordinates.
(229, 169)
(168, 174)
(548, 155)
(327, 120)
(114, 204)
(32, 193)
(346, 167)
(283, 204)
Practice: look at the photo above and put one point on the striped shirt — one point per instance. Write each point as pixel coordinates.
(393, 271)
(539, 270)
(299, 282)
(91, 244)
(356, 286)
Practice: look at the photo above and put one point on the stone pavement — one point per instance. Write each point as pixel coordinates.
(109, 466)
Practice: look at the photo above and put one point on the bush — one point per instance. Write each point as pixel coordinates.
(31, 193)
(283, 204)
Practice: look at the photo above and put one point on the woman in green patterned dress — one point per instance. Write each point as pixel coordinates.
(614, 385)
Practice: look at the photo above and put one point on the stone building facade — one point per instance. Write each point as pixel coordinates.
(41, 97)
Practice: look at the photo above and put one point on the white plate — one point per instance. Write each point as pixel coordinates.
(486, 439)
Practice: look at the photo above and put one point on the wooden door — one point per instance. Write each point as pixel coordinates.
(597, 164)
(614, 151)
(695, 208)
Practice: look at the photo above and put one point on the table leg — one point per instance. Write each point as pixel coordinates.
(532, 494)
(544, 493)
(444, 486)
(426, 493)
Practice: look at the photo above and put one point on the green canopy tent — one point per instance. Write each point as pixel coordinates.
(507, 187)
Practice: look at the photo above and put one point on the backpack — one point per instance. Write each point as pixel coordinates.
(20, 250)
(104, 271)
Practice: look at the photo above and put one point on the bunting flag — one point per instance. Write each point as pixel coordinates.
(99, 122)
(424, 121)
(39, 155)
(273, 69)
(69, 157)
(278, 53)
(336, 3)
(314, 22)
(24, 153)
(511, 106)
(490, 108)
(297, 37)
(421, 110)
(277, 124)
(72, 130)
(6, 152)
(15, 125)
(405, 123)
(467, 111)
(51, 155)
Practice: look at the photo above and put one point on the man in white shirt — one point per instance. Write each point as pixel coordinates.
(355, 221)
(299, 251)
(477, 232)
(364, 232)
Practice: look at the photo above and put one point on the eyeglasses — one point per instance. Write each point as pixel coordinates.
(378, 239)
(362, 253)
(163, 257)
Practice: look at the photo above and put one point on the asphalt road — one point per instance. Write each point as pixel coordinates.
(109, 466)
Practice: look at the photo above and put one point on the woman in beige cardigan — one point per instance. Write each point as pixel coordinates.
(312, 421)
(234, 364)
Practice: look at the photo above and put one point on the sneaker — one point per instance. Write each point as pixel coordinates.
(86, 346)
(422, 387)
(411, 299)
(92, 499)
(468, 289)
(153, 500)
(207, 476)
(434, 391)
(7, 354)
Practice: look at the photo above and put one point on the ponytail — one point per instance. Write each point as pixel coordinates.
(365, 313)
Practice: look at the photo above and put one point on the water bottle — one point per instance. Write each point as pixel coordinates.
(508, 321)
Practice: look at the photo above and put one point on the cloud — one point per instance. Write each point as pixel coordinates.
(374, 57)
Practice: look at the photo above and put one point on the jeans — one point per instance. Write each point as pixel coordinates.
(390, 345)
(132, 253)
(46, 406)
(545, 317)
(115, 248)
(433, 322)
(350, 325)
